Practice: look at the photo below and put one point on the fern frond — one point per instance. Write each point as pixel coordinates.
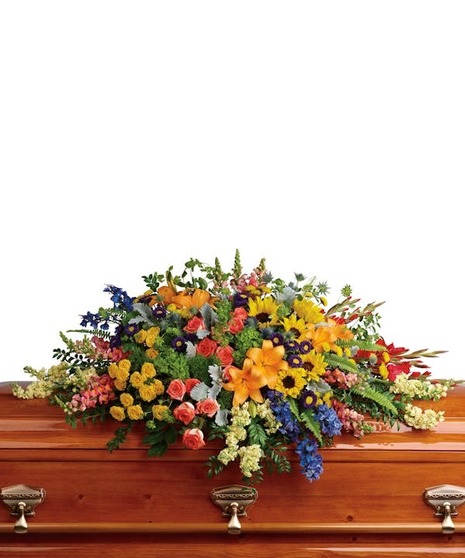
(341, 362)
(361, 344)
(381, 399)
(312, 424)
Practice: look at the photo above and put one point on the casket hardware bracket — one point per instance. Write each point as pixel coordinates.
(22, 500)
(445, 499)
(233, 500)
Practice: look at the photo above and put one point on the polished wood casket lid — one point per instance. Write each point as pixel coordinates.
(371, 490)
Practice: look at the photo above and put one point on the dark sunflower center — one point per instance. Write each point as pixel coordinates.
(262, 317)
(288, 382)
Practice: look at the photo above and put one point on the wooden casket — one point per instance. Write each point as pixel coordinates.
(391, 493)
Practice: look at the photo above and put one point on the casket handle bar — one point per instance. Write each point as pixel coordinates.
(445, 499)
(233, 500)
(22, 500)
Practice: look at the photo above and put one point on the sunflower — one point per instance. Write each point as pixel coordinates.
(264, 310)
(314, 365)
(310, 312)
(291, 381)
(295, 325)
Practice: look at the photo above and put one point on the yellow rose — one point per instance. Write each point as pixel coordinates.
(112, 370)
(147, 392)
(137, 379)
(120, 385)
(148, 370)
(126, 399)
(122, 375)
(124, 364)
(152, 334)
(160, 412)
(135, 412)
(159, 387)
(140, 336)
(151, 353)
(117, 412)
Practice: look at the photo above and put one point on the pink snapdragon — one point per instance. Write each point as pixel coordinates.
(99, 391)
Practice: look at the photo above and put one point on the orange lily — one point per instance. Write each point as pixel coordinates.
(167, 293)
(197, 299)
(260, 369)
(324, 336)
(269, 360)
(245, 383)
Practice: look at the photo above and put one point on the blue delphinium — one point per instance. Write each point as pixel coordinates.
(282, 411)
(311, 461)
(329, 421)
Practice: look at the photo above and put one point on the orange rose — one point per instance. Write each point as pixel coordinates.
(193, 439)
(207, 407)
(184, 412)
(207, 347)
(225, 354)
(176, 389)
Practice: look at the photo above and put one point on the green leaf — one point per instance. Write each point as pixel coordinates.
(341, 362)
(381, 399)
(312, 424)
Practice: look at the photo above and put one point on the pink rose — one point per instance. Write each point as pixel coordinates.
(207, 347)
(193, 439)
(225, 354)
(184, 412)
(194, 324)
(240, 314)
(207, 407)
(176, 389)
(190, 383)
(235, 325)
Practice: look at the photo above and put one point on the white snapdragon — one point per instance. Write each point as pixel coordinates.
(419, 389)
(422, 419)
(271, 424)
(228, 454)
(250, 459)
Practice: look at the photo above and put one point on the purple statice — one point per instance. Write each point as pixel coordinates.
(311, 461)
(329, 421)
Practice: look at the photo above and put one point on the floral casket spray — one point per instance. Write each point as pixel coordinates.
(265, 366)
(248, 375)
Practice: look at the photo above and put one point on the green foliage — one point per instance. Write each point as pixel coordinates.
(119, 437)
(383, 400)
(256, 433)
(198, 367)
(312, 424)
(244, 340)
(342, 362)
(172, 364)
(215, 466)
(159, 438)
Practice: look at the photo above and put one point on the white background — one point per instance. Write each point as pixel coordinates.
(327, 137)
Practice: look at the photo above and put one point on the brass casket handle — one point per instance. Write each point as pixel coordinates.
(445, 499)
(22, 500)
(233, 500)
